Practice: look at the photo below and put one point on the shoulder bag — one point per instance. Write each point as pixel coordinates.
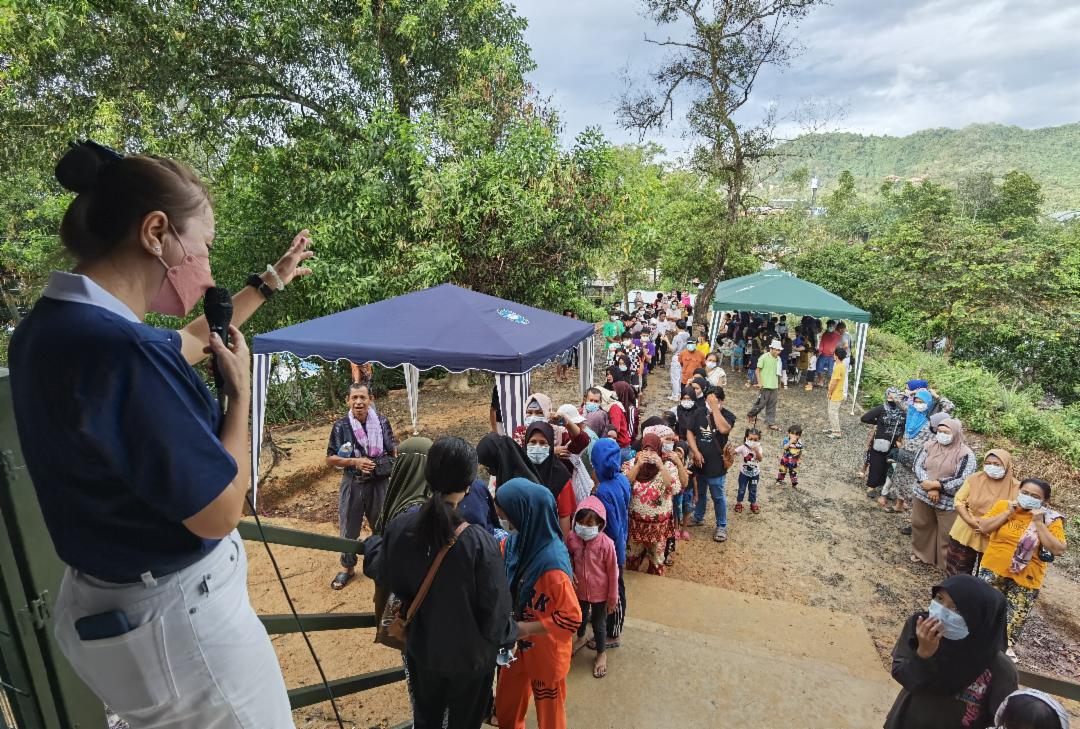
(393, 627)
(881, 445)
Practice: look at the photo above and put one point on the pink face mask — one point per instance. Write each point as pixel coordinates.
(184, 283)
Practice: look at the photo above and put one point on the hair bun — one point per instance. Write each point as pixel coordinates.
(78, 170)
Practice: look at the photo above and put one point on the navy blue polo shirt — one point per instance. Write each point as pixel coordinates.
(119, 436)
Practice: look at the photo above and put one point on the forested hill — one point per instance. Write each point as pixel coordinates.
(1050, 155)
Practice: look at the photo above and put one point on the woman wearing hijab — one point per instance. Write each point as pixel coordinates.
(1031, 709)
(940, 469)
(1024, 536)
(504, 459)
(995, 482)
(621, 369)
(613, 490)
(544, 605)
(889, 424)
(554, 475)
(407, 492)
(653, 482)
(538, 408)
(687, 409)
(916, 433)
(408, 487)
(948, 660)
(618, 415)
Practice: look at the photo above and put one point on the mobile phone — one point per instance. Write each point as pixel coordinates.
(103, 625)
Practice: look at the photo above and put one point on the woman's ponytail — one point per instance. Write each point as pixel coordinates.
(450, 469)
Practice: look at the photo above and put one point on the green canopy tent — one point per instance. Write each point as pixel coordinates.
(783, 292)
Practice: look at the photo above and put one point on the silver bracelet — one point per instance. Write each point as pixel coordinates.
(278, 283)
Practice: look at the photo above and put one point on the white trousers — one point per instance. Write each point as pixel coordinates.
(676, 378)
(197, 656)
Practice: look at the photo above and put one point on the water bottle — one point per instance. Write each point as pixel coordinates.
(345, 451)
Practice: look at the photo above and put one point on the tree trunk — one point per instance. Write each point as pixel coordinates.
(458, 382)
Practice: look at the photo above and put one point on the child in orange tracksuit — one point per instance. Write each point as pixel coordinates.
(545, 606)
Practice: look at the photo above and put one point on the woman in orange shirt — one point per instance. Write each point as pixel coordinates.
(545, 606)
(1022, 533)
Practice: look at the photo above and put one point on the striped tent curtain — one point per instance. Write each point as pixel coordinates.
(260, 379)
(513, 390)
(586, 350)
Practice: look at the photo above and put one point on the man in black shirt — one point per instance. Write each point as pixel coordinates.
(707, 436)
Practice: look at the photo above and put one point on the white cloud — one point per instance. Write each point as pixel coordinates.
(897, 66)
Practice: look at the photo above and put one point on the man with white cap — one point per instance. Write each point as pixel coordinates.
(768, 381)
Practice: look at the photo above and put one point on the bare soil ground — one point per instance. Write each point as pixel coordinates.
(824, 545)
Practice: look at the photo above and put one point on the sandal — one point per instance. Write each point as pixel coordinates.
(609, 643)
(599, 671)
(340, 580)
(888, 509)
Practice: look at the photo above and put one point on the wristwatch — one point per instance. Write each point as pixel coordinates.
(256, 281)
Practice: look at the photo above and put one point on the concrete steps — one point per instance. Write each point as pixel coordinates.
(699, 657)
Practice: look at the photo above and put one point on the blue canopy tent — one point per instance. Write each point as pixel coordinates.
(444, 326)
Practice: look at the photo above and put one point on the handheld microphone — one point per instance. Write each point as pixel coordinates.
(218, 308)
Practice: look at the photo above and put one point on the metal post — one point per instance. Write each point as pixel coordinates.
(864, 330)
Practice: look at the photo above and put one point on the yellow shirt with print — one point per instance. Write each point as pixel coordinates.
(1002, 547)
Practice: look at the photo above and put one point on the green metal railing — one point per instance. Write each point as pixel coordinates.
(285, 624)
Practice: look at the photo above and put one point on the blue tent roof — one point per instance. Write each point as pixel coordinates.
(444, 326)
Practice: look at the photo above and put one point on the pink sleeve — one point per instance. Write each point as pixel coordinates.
(612, 574)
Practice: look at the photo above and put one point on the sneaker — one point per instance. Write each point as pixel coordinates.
(738, 508)
(755, 509)
(720, 535)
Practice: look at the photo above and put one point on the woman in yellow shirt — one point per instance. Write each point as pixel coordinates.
(1014, 561)
(995, 482)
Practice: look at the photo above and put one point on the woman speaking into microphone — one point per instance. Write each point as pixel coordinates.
(140, 478)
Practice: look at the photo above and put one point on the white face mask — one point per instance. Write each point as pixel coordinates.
(537, 453)
(751, 443)
(588, 533)
(614, 318)
(530, 419)
(1028, 502)
(687, 404)
(994, 472)
(943, 438)
(921, 407)
(952, 623)
(710, 365)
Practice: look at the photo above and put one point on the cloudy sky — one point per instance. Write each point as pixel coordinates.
(895, 66)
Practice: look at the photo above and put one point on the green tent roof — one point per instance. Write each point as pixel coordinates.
(783, 292)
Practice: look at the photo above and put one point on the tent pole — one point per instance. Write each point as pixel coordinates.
(260, 377)
(412, 390)
(864, 329)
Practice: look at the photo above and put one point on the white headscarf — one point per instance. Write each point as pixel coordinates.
(1046, 698)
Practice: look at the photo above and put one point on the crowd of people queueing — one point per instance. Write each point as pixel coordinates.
(580, 493)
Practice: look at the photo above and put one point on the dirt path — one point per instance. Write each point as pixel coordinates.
(824, 545)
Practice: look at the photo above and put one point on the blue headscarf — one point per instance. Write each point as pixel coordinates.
(613, 490)
(537, 545)
(916, 420)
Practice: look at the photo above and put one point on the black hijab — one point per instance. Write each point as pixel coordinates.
(684, 417)
(504, 460)
(618, 375)
(553, 474)
(958, 663)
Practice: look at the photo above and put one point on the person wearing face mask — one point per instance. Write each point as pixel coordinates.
(714, 373)
(544, 605)
(621, 369)
(144, 504)
(613, 328)
(1025, 535)
(994, 483)
(916, 434)
(554, 475)
(596, 576)
(940, 469)
(538, 409)
(949, 661)
(678, 344)
(653, 482)
(690, 359)
(613, 491)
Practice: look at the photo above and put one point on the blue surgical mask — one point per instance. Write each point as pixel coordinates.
(1028, 502)
(530, 419)
(952, 623)
(943, 438)
(994, 472)
(537, 453)
(592, 407)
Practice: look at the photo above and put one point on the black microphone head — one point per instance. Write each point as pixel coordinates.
(218, 308)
